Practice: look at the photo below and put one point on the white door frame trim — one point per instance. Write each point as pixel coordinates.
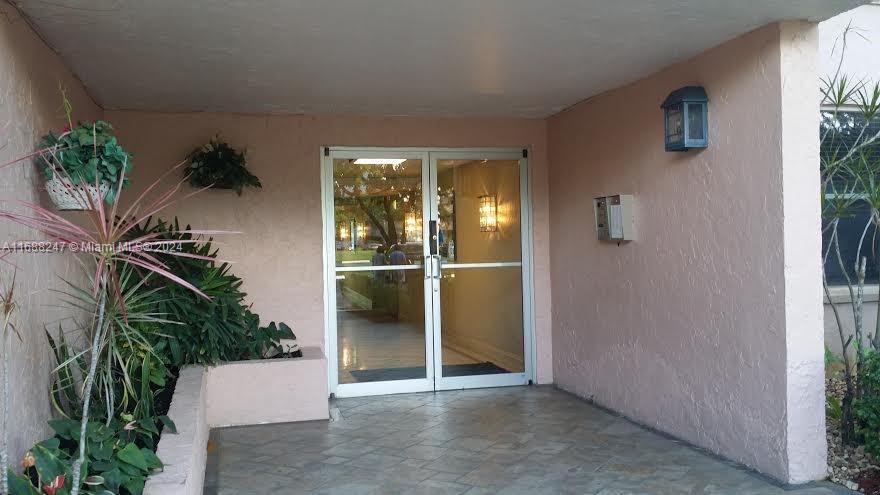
(427, 155)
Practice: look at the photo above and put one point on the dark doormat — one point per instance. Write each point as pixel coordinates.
(388, 374)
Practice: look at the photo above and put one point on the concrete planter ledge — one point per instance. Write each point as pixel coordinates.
(185, 453)
(234, 394)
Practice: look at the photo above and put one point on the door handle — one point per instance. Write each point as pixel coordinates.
(436, 261)
(433, 240)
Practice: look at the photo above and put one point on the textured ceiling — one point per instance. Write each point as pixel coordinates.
(528, 58)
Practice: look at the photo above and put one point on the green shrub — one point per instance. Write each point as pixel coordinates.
(867, 407)
(222, 329)
(86, 153)
(831, 358)
(220, 166)
(833, 408)
(129, 374)
(116, 460)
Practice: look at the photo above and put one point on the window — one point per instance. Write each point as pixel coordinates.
(839, 134)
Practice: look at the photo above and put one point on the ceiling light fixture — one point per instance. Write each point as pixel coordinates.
(379, 161)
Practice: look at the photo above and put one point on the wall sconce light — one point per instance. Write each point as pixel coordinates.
(412, 227)
(488, 213)
(686, 119)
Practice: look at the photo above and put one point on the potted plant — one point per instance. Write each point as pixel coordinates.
(220, 166)
(83, 165)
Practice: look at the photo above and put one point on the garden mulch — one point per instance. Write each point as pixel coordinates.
(848, 465)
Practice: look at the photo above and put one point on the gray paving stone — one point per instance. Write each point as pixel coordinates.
(375, 461)
(522, 440)
(469, 443)
(425, 452)
(440, 488)
(452, 464)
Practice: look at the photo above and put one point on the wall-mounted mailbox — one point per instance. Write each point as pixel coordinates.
(614, 218)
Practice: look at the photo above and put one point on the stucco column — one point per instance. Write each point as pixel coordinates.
(805, 379)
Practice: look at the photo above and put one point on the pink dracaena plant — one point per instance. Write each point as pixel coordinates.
(108, 242)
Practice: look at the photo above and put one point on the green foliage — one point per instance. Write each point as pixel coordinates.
(116, 461)
(130, 374)
(209, 331)
(833, 408)
(267, 337)
(867, 406)
(850, 201)
(87, 153)
(830, 357)
(220, 166)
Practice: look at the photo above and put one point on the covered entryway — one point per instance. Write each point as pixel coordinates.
(706, 326)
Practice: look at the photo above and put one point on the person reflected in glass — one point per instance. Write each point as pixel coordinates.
(398, 257)
(380, 259)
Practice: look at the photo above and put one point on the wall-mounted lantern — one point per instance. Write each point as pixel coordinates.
(686, 111)
(488, 213)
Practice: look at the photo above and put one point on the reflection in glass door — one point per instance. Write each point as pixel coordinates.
(427, 262)
(479, 304)
(379, 247)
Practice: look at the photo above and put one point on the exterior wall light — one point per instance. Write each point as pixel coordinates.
(488, 214)
(686, 113)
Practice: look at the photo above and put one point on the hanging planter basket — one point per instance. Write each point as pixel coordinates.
(219, 166)
(68, 196)
(85, 154)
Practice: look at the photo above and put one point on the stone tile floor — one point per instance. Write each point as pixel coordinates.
(523, 440)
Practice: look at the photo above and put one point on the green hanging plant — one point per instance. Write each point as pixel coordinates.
(220, 166)
(84, 155)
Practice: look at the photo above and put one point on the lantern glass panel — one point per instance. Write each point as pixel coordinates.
(488, 214)
(695, 121)
(674, 124)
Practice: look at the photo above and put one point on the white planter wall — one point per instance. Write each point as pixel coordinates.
(185, 453)
(235, 394)
(269, 390)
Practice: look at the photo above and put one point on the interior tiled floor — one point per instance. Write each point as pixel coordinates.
(367, 342)
(524, 440)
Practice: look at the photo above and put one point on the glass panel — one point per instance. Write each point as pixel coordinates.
(674, 124)
(481, 321)
(380, 325)
(377, 211)
(695, 121)
(479, 209)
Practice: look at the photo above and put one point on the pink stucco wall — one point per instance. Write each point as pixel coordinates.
(689, 329)
(279, 254)
(30, 105)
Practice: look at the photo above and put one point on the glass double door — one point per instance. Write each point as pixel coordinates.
(428, 264)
